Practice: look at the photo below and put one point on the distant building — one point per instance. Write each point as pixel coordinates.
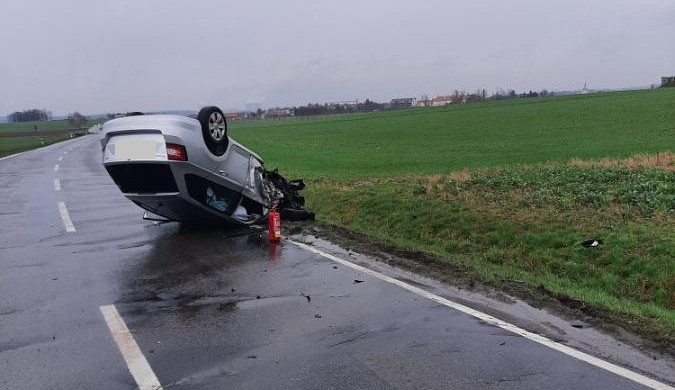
(348, 103)
(423, 103)
(441, 100)
(668, 81)
(237, 116)
(402, 102)
(276, 113)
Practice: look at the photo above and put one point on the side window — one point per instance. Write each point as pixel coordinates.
(217, 197)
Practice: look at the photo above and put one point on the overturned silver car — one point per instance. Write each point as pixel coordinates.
(189, 170)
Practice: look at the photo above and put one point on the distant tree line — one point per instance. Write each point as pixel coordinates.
(368, 105)
(338, 108)
(29, 116)
(500, 94)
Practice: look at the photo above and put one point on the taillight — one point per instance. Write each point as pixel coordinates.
(176, 152)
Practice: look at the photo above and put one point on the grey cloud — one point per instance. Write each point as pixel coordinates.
(97, 56)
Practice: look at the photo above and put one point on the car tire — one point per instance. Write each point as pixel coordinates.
(214, 129)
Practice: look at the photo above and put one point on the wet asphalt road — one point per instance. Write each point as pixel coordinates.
(221, 309)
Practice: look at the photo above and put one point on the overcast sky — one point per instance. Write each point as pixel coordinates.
(141, 55)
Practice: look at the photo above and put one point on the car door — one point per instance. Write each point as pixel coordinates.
(235, 167)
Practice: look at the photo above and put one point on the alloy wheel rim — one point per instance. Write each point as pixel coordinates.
(216, 126)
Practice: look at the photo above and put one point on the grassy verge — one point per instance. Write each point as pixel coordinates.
(525, 224)
(12, 145)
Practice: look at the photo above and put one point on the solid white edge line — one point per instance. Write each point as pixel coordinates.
(57, 185)
(67, 222)
(11, 155)
(613, 368)
(56, 168)
(136, 362)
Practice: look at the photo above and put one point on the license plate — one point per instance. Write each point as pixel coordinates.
(135, 149)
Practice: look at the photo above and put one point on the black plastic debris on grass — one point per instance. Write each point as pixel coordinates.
(592, 243)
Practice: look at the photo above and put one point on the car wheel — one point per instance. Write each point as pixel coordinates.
(214, 129)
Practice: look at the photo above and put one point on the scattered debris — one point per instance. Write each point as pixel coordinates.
(309, 299)
(356, 281)
(579, 324)
(257, 297)
(335, 267)
(251, 357)
(592, 243)
(317, 315)
(502, 343)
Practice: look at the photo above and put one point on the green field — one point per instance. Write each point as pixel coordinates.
(492, 189)
(46, 126)
(21, 136)
(434, 140)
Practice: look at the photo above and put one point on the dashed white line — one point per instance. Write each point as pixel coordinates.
(57, 185)
(136, 362)
(60, 158)
(613, 368)
(56, 168)
(66, 152)
(67, 222)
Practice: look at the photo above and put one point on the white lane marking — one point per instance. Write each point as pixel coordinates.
(60, 158)
(56, 168)
(66, 152)
(138, 366)
(57, 185)
(613, 368)
(67, 222)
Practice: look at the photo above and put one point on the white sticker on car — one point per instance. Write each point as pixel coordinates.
(135, 149)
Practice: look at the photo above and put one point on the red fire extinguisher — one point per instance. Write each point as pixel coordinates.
(274, 225)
